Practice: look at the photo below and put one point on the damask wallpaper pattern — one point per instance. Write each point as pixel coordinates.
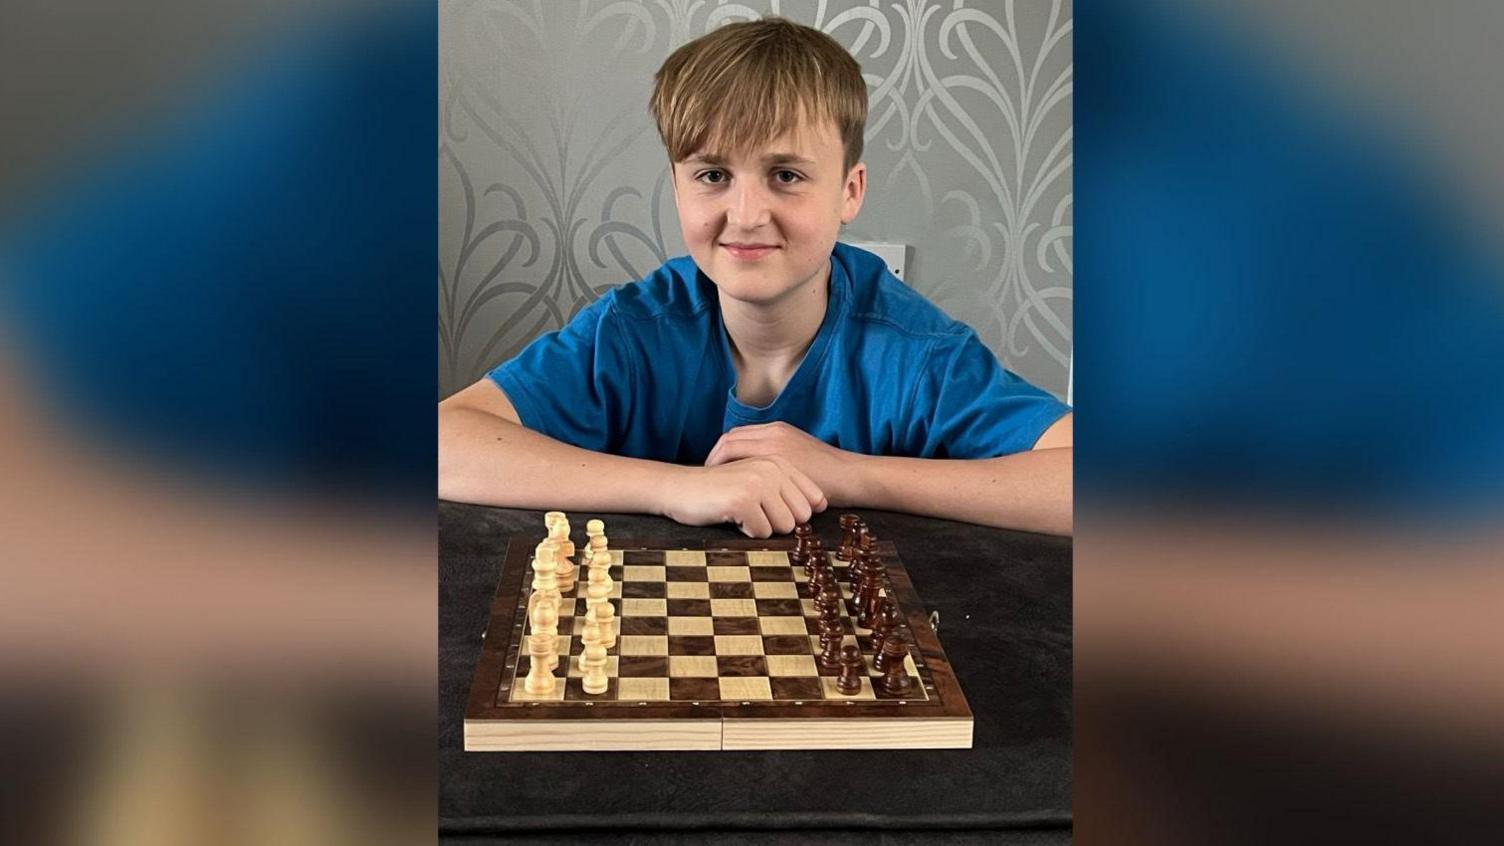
(553, 186)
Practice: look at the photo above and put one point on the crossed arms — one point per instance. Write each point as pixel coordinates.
(762, 478)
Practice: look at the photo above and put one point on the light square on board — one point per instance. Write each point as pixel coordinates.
(733, 607)
(728, 574)
(642, 644)
(783, 626)
(644, 607)
(792, 665)
(692, 666)
(774, 590)
(738, 645)
(642, 573)
(520, 694)
(767, 558)
(642, 690)
(684, 557)
(691, 625)
(688, 590)
(745, 688)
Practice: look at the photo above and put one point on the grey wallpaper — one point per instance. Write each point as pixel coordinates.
(553, 186)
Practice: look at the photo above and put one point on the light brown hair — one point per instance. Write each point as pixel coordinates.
(747, 83)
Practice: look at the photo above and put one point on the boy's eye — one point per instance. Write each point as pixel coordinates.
(787, 177)
(712, 177)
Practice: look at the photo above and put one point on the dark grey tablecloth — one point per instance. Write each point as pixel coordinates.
(1004, 600)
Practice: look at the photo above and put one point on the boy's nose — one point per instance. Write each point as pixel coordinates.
(749, 207)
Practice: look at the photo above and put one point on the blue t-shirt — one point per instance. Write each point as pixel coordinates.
(646, 371)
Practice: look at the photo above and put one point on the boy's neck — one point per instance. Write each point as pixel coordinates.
(768, 340)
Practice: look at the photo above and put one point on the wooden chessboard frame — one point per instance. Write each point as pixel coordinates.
(942, 720)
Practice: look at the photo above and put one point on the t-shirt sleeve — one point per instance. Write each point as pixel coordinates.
(574, 385)
(967, 405)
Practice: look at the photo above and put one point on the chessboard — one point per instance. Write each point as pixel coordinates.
(716, 647)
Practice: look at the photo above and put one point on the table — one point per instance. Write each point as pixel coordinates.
(1004, 603)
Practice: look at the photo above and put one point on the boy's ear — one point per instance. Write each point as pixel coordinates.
(854, 191)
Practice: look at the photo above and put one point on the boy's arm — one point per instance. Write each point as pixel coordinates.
(486, 456)
(1028, 490)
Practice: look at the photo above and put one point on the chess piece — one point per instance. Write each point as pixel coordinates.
(598, 546)
(882, 628)
(875, 597)
(849, 523)
(546, 574)
(543, 619)
(849, 683)
(558, 532)
(595, 537)
(802, 533)
(593, 662)
(830, 649)
(831, 630)
(542, 648)
(598, 605)
(871, 602)
(861, 582)
(815, 557)
(587, 623)
(895, 680)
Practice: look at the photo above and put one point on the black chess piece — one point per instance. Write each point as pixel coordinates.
(882, 629)
(896, 680)
(849, 524)
(830, 649)
(802, 533)
(814, 554)
(849, 682)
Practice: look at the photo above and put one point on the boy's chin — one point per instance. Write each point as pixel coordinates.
(753, 289)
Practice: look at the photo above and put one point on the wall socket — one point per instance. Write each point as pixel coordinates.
(895, 255)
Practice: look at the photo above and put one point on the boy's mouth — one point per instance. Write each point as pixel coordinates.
(749, 252)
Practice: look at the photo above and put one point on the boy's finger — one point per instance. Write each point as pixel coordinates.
(755, 524)
(812, 491)
(780, 518)
(799, 504)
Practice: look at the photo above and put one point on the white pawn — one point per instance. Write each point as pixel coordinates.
(598, 607)
(544, 619)
(542, 648)
(545, 576)
(593, 662)
(595, 529)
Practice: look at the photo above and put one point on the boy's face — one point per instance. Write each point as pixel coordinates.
(762, 223)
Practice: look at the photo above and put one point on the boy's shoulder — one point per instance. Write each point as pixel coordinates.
(673, 290)
(880, 301)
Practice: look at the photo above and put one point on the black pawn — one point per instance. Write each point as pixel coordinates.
(895, 680)
(802, 534)
(849, 683)
(814, 553)
(830, 649)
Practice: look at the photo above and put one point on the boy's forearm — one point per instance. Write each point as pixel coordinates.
(486, 460)
(1028, 490)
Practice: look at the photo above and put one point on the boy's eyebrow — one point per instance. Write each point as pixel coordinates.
(770, 159)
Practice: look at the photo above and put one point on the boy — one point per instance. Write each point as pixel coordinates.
(773, 372)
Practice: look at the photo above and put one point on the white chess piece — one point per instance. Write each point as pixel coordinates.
(598, 605)
(593, 662)
(542, 648)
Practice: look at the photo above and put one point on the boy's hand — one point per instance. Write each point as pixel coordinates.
(762, 496)
(829, 467)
